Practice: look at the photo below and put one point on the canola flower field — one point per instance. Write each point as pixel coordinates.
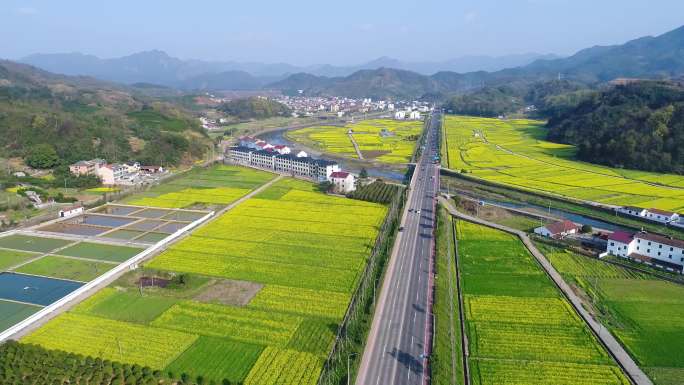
(520, 329)
(212, 187)
(384, 140)
(303, 249)
(515, 153)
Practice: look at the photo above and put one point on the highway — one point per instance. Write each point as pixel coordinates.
(398, 345)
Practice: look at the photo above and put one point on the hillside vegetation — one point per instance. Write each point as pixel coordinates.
(80, 118)
(638, 126)
(254, 108)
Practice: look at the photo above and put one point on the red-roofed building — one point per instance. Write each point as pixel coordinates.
(558, 230)
(342, 181)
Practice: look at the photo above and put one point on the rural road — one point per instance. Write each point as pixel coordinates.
(616, 350)
(400, 339)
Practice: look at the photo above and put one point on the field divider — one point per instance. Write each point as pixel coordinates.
(609, 342)
(459, 292)
(90, 288)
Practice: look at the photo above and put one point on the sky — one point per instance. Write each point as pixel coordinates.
(304, 32)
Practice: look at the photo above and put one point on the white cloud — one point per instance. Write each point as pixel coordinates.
(27, 11)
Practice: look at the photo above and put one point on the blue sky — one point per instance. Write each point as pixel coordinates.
(348, 32)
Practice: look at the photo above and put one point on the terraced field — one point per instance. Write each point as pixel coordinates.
(384, 140)
(293, 253)
(514, 152)
(520, 329)
(645, 313)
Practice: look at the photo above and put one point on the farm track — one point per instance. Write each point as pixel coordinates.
(356, 146)
(636, 375)
(461, 315)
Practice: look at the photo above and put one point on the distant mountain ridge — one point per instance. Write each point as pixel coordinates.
(660, 57)
(157, 67)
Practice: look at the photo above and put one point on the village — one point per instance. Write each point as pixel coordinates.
(118, 174)
(664, 252)
(329, 107)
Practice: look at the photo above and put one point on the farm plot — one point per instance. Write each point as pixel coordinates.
(10, 258)
(301, 253)
(514, 152)
(518, 324)
(13, 312)
(646, 314)
(66, 268)
(215, 186)
(113, 340)
(31, 243)
(101, 251)
(388, 141)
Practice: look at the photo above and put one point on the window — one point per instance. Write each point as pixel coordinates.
(671, 249)
(612, 243)
(670, 256)
(660, 246)
(638, 240)
(649, 243)
(648, 251)
(659, 253)
(637, 247)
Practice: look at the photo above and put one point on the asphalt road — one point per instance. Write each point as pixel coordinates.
(400, 339)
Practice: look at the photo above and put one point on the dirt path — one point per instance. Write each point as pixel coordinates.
(608, 340)
(356, 146)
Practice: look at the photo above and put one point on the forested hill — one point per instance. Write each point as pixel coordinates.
(254, 108)
(76, 118)
(638, 126)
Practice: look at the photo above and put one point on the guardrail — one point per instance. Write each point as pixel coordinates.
(52, 310)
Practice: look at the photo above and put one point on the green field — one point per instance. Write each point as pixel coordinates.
(302, 251)
(217, 358)
(30, 243)
(9, 258)
(520, 329)
(125, 306)
(101, 252)
(66, 268)
(12, 312)
(447, 356)
(645, 313)
(515, 153)
(214, 186)
(388, 141)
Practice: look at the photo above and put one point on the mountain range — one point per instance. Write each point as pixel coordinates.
(157, 67)
(658, 57)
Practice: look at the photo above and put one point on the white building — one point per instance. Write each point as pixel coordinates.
(414, 115)
(282, 150)
(316, 169)
(649, 248)
(71, 211)
(633, 211)
(557, 230)
(661, 216)
(132, 167)
(390, 107)
(342, 181)
(111, 173)
(302, 154)
(400, 115)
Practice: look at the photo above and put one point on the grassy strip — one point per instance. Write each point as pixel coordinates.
(447, 356)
